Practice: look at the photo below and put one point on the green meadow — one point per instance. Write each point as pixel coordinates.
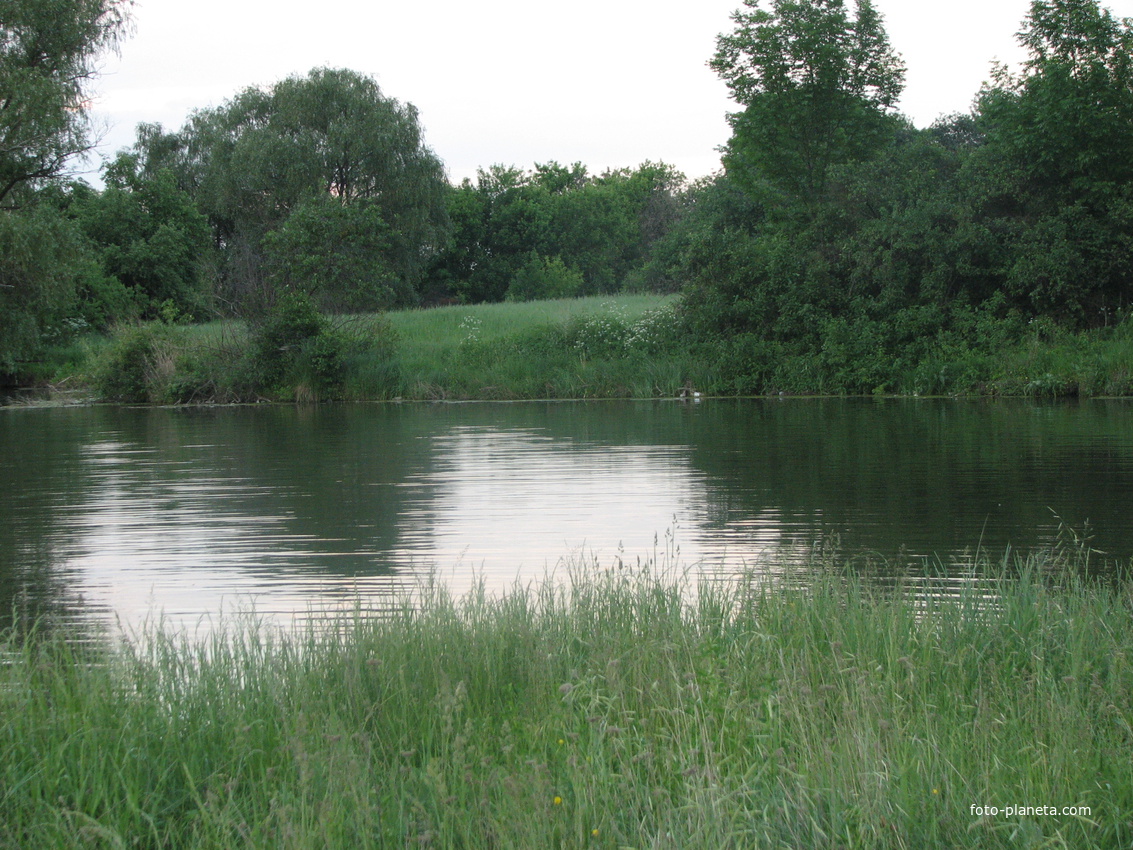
(616, 707)
(600, 347)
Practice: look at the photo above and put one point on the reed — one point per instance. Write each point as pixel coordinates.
(616, 707)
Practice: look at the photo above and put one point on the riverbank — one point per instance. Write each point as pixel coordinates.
(609, 712)
(605, 347)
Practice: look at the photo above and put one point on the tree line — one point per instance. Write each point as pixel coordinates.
(842, 241)
(319, 185)
(838, 238)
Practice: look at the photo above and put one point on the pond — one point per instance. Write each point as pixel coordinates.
(118, 514)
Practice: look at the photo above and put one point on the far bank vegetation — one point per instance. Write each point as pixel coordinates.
(841, 250)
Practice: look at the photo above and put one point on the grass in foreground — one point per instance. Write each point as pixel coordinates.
(609, 712)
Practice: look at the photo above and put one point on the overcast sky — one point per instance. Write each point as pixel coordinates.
(610, 83)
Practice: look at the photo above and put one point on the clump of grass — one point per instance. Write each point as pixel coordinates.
(613, 707)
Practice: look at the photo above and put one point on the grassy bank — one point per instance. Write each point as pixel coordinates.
(608, 711)
(609, 347)
(606, 347)
(603, 347)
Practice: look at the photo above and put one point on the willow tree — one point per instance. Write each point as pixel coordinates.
(276, 169)
(48, 50)
(47, 61)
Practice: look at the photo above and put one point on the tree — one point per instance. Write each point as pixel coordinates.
(330, 135)
(541, 278)
(498, 222)
(47, 52)
(335, 254)
(149, 236)
(817, 87)
(1057, 166)
(47, 270)
(1065, 124)
(512, 222)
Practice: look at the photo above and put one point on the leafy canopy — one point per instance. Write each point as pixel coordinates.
(301, 147)
(47, 53)
(816, 85)
(1057, 164)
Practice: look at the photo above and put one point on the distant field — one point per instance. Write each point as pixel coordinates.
(433, 327)
(511, 316)
(568, 348)
(426, 329)
(599, 347)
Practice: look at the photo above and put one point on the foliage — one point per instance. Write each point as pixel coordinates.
(816, 86)
(602, 227)
(270, 153)
(149, 235)
(132, 367)
(50, 283)
(336, 253)
(47, 54)
(294, 354)
(294, 342)
(544, 277)
(1059, 156)
(297, 353)
(918, 256)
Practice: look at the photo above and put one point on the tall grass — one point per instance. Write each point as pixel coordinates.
(612, 708)
(543, 349)
(1056, 363)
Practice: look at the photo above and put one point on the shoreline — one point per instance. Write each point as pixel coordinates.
(627, 347)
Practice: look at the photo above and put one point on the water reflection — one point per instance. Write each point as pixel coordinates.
(509, 502)
(119, 512)
(156, 533)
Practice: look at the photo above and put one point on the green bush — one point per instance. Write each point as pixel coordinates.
(138, 366)
(544, 278)
(298, 352)
(286, 338)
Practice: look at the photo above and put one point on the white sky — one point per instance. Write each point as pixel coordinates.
(610, 83)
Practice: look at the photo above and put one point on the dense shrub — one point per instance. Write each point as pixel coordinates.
(294, 346)
(298, 352)
(139, 365)
(542, 278)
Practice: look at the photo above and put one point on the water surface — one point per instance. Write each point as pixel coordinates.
(121, 513)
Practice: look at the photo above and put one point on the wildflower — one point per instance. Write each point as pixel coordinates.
(594, 832)
(558, 801)
(935, 790)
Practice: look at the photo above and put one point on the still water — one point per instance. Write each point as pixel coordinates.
(118, 514)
